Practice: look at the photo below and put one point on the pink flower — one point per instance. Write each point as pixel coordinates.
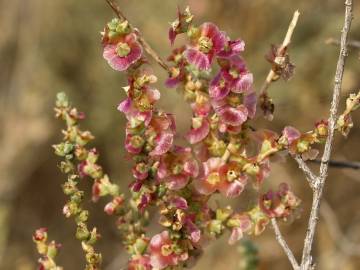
(232, 47)
(279, 204)
(207, 42)
(192, 230)
(140, 262)
(177, 167)
(233, 116)
(232, 180)
(162, 252)
(291, 134)
(250, 101)
(114, 205)
(236, 74)
(40, 234)
(140, 171)
(219, 87)
(163, 143)
(218, 176)
(134, 143)
(125, 52)
(178, 203)
(243, 222)
(200, 130)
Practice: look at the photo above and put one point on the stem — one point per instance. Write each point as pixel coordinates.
(284, 245)
(115, 7)
(306, 262)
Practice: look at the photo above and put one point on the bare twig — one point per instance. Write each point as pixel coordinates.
(284, 245)
(143, 42)
(340, 164)
(306, 262)
(281, 50)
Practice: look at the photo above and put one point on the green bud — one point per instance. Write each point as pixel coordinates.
(82, 216)
(52, 250)
(251, 169)
(123, 49)
(193, 32)
(302, 146)
(94, 236)
(66, 166)
(69, 187)
(113, 24)
(140, 246)
(223, 214)
(63, 149)
(215, 226)
(62, 100)
(82, 232)
(233, 222)
(77, 197)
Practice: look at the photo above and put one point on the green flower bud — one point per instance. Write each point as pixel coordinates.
(215, 226)
(62, 100)
(82, 232)
(140, 246)
(223, 214)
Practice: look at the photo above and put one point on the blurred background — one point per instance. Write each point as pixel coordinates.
(51, 46)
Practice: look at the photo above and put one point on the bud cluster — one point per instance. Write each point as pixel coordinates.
(48, 251)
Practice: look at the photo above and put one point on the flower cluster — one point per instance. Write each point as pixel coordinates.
(81, 162)
(224, 154)
(121, 48)
(48, 251)
(344, 122)
(180, 180)
(279, 204)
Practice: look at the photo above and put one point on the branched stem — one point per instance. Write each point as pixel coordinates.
(310, 176)
(115, 7)
(306, 262)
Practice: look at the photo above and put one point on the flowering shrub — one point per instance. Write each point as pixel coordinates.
(226, 154)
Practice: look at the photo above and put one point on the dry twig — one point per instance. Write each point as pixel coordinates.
(284, 245)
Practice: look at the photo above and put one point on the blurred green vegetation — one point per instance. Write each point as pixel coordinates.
(48, 46)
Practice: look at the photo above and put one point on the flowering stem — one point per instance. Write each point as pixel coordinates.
(306, 262)
(115, 7)
(281, 51)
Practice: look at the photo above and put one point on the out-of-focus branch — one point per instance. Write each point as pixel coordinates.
(306, 262)
(340, 164)
(284, 245)
(351, 43)
(115, 7)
